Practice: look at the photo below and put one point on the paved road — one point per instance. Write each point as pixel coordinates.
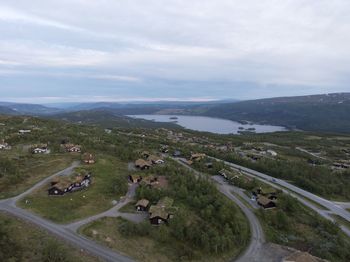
(113, 212)
(61, 231)
(251, 254)
(283, 185)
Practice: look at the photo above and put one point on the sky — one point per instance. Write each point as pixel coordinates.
(198, 50)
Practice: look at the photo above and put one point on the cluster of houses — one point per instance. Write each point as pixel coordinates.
(148, 160)
(265, 200)
(159, 213)
(63, 185)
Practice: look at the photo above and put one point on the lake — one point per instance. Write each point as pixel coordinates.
(210, 124)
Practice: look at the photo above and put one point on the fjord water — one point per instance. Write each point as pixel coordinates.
(210, 124)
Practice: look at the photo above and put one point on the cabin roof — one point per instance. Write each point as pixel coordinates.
(142, 202)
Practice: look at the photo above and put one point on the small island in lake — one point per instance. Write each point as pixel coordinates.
(173, 117)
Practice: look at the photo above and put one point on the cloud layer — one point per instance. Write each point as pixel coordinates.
(178, 49)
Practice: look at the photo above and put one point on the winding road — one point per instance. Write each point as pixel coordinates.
(251, 254)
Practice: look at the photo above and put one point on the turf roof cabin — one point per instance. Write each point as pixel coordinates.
(162, 212)
(135, 179)
(72, 148)
(159, 182)
(197, 157)
(63, 185)
(88, 158)
(142, 205)
(142, 164)
(40, 149)
(266, 202)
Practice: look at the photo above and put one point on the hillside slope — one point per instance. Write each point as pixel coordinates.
(326, 113)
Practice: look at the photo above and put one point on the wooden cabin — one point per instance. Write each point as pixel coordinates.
(265, 202)
(88, 158)
(142, 164)
(142, 205)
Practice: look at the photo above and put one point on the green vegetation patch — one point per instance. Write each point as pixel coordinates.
(109, 182)
(19, 174)
(20, 241)
(205, 225)
(295, 225)
(341, 221)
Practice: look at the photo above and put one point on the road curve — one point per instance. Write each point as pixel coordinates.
(257, 235)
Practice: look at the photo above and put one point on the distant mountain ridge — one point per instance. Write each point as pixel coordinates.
(28, 109)
(324, 113)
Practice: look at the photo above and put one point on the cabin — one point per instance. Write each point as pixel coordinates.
(159, 182)
(40, 149)
(164, 148)
(209, 165)
(271, 152)
(88, 158)
(266, 202)
(142, 164)
(4, 146)
(155, 160)
(145, 154)
(72, 148)
(223, 173)
(162, 212)
(142, 205)
(177, 153)
(24, 131)
(197, 156)
(135, 179)
(66, 184)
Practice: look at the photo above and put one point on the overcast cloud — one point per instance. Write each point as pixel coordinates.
(71, 50)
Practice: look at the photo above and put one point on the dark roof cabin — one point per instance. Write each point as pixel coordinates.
(88, 158)
(162, 212)
(142, 164)
(135, 179)
(265, 202)
(142, 205)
